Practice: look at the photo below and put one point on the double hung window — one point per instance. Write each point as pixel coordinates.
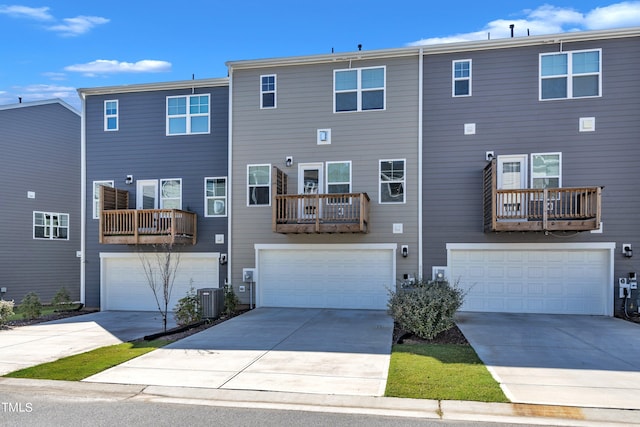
(359, 89)
(53, 226)
(188, 114)
(566, 75)
(111, 115)
(268, 91)
(392, 181)
(215, 197)
(461, 77)
(259, 185)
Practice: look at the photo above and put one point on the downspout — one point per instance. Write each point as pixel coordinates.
(420, 142)
(83, 197)
(228, 280)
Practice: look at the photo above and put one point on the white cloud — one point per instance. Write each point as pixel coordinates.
(55, 76)
(78, 25)
(111, 66)
(38, 13)
(548, 19)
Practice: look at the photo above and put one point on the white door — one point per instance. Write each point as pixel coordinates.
(326, 276)
(310, 181)
(512, 175)
(147, 194)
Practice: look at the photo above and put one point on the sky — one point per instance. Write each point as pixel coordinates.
(48, 49)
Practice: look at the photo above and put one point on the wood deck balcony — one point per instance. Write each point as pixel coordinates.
(143, 226)
(321, 213)
(549, 209)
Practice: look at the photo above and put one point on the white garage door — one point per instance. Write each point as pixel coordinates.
(124, 285)
(549, 279)
(325, 276)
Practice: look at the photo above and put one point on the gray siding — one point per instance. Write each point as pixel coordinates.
(141, 148)
(40, 153)
(511, 120)
(304, 105)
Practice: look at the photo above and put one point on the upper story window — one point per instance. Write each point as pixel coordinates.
(188, 114)
(575, 74)
(546, 170)
(258, 185)
(359, 89)
(47, 225)
(215, 197)
(96, 196)
(111, 115)
(268, 91)
(338, 177)
(171, 193)
(392, 180)
(461, 78)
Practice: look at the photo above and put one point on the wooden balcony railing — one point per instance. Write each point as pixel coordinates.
(147, 226)
(321, 213)
(549, 209)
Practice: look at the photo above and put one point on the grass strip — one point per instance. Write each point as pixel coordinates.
(440, 372)
(81, 366)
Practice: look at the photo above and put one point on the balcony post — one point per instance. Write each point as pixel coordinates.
(545, 208)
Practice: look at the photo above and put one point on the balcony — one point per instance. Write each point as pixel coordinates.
(317, 213)
(549, 209)
(142, 226)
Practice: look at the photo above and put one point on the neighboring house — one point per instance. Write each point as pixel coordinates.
(39, 200)
(158, 155)
(325, 174)
(530, 186)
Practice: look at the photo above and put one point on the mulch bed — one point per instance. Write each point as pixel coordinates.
(450, 336)
(47, 318)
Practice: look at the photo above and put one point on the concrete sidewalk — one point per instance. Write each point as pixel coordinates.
(26, 346)
(322, 351)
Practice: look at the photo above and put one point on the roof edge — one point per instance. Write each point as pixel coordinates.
(42, 102)
(148, 87)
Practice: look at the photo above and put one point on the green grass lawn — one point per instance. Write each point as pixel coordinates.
(81, 366)
(440, 372)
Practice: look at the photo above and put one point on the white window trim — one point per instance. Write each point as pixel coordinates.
(162, 199)
(274, 91)
(454, 79)
(554, 153)
(404, 182)
(187, 115)
(326, 187)
(359, 89)
(95, 200)
(268, 185)
(33, 223)
(109, 116)
(569, 74)
(206, 199)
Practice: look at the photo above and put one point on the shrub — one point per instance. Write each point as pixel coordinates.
(231, 301)
(427, 308)
(6, 310)
(31, 306)
(188, 310)
(61, 299)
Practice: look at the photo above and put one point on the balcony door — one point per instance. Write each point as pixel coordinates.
(147, 194)
(310, 181)
(512, 175)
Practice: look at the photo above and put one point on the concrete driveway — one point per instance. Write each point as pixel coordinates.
(274, 349)
(588, 361)
(26, 346)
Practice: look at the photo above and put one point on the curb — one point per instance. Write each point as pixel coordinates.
(365, 405)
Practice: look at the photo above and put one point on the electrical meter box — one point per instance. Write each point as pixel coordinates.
(248, 275)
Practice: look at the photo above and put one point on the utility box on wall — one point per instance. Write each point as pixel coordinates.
(211, 302)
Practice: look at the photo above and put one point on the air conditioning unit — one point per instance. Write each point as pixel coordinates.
(211, 302)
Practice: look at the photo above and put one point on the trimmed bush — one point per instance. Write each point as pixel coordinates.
(31, 307)
(188, 310)
(231, 301)
(61, 299)
(6, 311)
(427, 308)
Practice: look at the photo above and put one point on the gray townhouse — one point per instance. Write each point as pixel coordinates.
(155, 180)
(40, 200)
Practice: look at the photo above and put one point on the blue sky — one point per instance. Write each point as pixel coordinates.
(49, 49)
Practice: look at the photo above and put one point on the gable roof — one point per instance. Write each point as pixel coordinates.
(149, 87)
(38, 103)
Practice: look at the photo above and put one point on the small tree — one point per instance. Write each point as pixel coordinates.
(31, 306)
(160, 268)
(188, 309)
(231, 301)
(6, 311)
(61, 299)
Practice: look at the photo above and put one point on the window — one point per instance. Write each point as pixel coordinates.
(187, 114)
(462, 77)
(50, 226)
(215, 196)
(268, 91)
(259, 185)
(338, 177)
(171, 193)
(111, 115)
(546, 170)
(568, 75)
(96, 196)
(359, 89)
(392, 179)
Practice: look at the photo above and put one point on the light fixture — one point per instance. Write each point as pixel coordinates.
(626, 250)
(223, 259)
(288, 161)
(405, 251)
(489, 155)
(129, 179)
